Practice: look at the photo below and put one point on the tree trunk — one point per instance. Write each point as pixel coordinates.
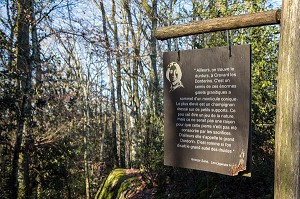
(101, 118)
(153, 91)
(287, 146)
(23, 65)
(119, 91)
(155, 88)
(85, 140)
(36, 64)
(26, 159)
(112, 89)
(127, 83)
(135, 114)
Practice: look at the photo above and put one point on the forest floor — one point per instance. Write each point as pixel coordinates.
(182, 184)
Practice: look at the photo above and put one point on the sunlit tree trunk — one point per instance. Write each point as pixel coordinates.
(127, 84)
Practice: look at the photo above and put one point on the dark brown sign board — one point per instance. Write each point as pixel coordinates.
(207, 109)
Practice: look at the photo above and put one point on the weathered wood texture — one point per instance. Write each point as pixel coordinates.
(219, 24)
(287, 147)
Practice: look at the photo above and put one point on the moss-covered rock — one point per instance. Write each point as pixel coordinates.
(121, 183)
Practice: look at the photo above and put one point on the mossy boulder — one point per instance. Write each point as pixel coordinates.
(121, 183)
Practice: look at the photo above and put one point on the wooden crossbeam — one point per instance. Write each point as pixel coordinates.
(219, 24)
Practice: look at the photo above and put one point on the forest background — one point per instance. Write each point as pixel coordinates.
(81, 94)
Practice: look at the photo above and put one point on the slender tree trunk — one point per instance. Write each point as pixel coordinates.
(287, 146)
(170, 21)
(153, 90)
(135, 114)
(26, 160)
(103, 138)
(194, 13)
(36, 60)
(102, 119)
(154, 84)
(119, 88)
(86, 145)
(128, 156)
(154, 58)
(36, 64)
(153, 105)
(23, 65)
(112, 89)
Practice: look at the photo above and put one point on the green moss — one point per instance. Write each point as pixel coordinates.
(117, 185)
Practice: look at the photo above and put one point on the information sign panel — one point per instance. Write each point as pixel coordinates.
(207, 109)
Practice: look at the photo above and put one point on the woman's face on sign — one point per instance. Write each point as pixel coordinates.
(173, 74)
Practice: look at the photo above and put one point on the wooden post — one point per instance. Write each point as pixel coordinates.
(219, 24)
(287, 138)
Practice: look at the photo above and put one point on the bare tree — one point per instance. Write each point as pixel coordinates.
(135, 113)
(119, 87)
(111, 83)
